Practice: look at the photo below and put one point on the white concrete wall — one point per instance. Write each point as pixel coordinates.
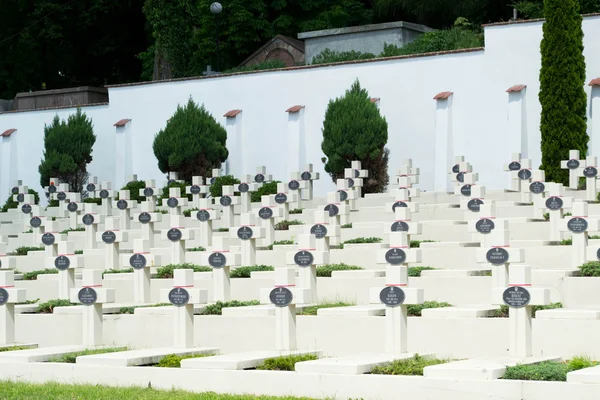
(406, 86)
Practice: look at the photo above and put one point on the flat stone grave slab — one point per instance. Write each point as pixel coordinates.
(469, 311)
(565, 313)
(367, 310)
(25, 308)
(354, 364)
(480, 368)
(238, 361)
(263, 310)
(358, 274)
(43, 354)
(114, 308)
(141, 356)
(586, 375)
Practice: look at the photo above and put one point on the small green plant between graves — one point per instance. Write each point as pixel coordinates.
(417, 243)
(547, 216)
(280, 242)
(223, 230)
(72, 357)
(312, 310)
(174, 361)
(166, 272)
(188, 213)
(117, 271)
(32, 276)
(134, 190)
(566, 242)
(78, 251)
(347, 226)
(29, 231)
(22, 251)
(324, 271)
(285, 225)
(266, 189)
(287, 363)
(66, 231)
(415, 272)
(217, 308)
(11, 203)
(244, 272)
(216, 188)
(296, 211)
(14, 348)
(548, 370)
(502, 312)
(361, 240)
(199, 248)
(591, 268)
(93, 200)
(131, 310)
(30, 301)
(414, 310)
(48, 306)
(409, 366)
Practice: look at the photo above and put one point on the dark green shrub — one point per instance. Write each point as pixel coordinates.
(287, 363)
(174, 361)
(244, 272)
(414, 310)
(328, 56)
(266, 189)
(32, 276)
(562, 95)
(566, 242)
(48, 306)
(361, 240)
(544, 371)
(502, 312)
(192, 143)
(216, 188)
(285, 225)
(23, 250)
(131, 309)
(165, 191)
(91, 200)
(346, 226)
(296, 211)
(269, 64)
(166, 272)
(78, 251)
(66, 231)
(188, 213)
(410, 366)
(415, 272)
(547, 215)
(134, 190)
(417, 243)
(326, 270)
(354, 129)
(591, 268)
(312, 310)
(117, 271)
(223, 230)
(277, 242)
(550, 306)
(10, 203)
(441, 40)
(217, 308)
(199, 248)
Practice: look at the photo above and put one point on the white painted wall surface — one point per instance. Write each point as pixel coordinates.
(480, 106)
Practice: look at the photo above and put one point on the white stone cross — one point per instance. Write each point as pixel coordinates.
(298, 186)
(458, 177)
(9, 296)
(52, 187)
(62, 195)
(91, 185)
(347, 197)
(74, 207)
(402, 198)
(515, 167)
(245, 188)
(579, 225)
(112, 237)
(308, 176)
(355, 175)
(537, 189)
(322, 231)
(141, 261)
(66, 262)
(178, 235)
(197, 190)
(227, 202)
(555, 204)
(468, 179)
(335, 210)
(206, 215)
(248, 233)
(91, 220)
(124, 205)
(575, 167)
(173, 178)
(6, 262)
(487, 222)
(285, 200)
(221, 259)
(150, 192)
(307, 258)
(106, 194)
(148, 217)
(590, 172)
(175, 202)
(37, 222)
(500, 255)
(92, 295)
(403, 223)
(215, 173)
(50, 240)
(407, 171)
(262, 176)
(267, 214)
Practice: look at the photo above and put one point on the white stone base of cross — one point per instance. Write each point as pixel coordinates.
(221, 259)
(9, 296)
(6, 262)
(307, 258)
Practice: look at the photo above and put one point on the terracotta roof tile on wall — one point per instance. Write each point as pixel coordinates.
(443, 95)
(515, 88)
(374, 99)
(595, 82)
(232, 113)
(294, 109)
(122, 122)
(8, 132)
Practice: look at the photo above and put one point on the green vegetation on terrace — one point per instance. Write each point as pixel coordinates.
(174, 361)
(72, 357)
(285, 225)
(23, 250)
(361, 240)
(48, 306)
(32, 275)
(217, 308)
(166, 272)
(410, 366)
(415, 272)
(244, 272)
(548, 370)
(502, 312)
(414, 310)
(312, 310)
(287, 363)
(324, 271)
(280, 242)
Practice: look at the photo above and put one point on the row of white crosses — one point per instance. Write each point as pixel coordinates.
(472, 194)
(579, 225)
(198, 190)
(555, 204)
(303, 182)
(587, 168)
(336, 211)
(526, 180)
(9, 296)
(407, 175)
(355, 176)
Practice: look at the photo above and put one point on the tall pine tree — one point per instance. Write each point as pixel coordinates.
(562, 96)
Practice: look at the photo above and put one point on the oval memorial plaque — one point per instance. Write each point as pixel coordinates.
(172, 202)
(72, 207)
(212, 180)
(109, 237)
(217, 260)
(474, 205)
(179, 297)
(398, 204)
(280, 198)
(460, 177)
(554, 203)
(171, 182)
(497, 256)
(466, 190)
(90, 187)
(104, 194)
(392, 296)
(62, 263)
(259, 178)
(48, 239)
(304, 258)
(35, 222)
(281, 297)
(590, 172)
(577, 225)
(122, 204)
(598, 254)
(537, 187)
(137, 261)
(265, 213)
(356, 173)
(516, 296)
(484, 225)
(332, 209)
(203, 215)
(320, 231)
(15, 190)
(306, 176)
(87, 219)
(144, 217)
(243, 187)
(225, 201)
(3, 296)
(395, 256)
(20, 197)
(87, 296)
(245, 233)
(195, 189)
(399, 226)
(343, 195)
(573, 164)
(148, 192)
(61, 196)
(524, 174)
(26, 208)
(294, 185)
(174, 235)
(514, 166)
(51, 189)
(350, 182)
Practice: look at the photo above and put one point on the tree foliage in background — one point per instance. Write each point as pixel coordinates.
(216, 188)
(353, 129)
(535, 9)
(68, 147)
(134, 190)
(191, 144)
(562, 95)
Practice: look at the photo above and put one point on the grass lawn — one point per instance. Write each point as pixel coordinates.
(55, 391)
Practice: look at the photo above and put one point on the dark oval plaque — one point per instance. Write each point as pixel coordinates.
(225, 201)
(350, 182)
(104, 194)
(497, 256)
(280, 198)
(20, 197)
(259, 178)
(514, 166)
(516, 297)
(195, 189)
(320, 231)
(399, 226)
(217, 260)
(590, 172)
(456, 168)
(392, 296)
(484, 225)
(122, 204)
(203, 215)
(398, 204)
(577, 225)
(174, 235)
(15, 190)
(395, 256)
(554, 203)
(343, 195)
(90, 187)
(281, 297)
(87, 219)
(144, 217)
(61, 196)
(87, 296)
(51, 189)
(524, 174)
(474, 205)
(62, 263)
(109, 237)
(72, 206)
(171, 182)
(172, 202)
(3, 296)
(294, 185)
(304, 258)
(35, 222)
(26, 208)
(212, 180)
(137, 261)
(48, 239)
(306, 176)
(573, 164)
(148, 192)
(356, 173)
(179, 297)
(265, 213)
(245, 233)
(537, 187)
(460, 177)
(332, 209)
(466, 190)
(243, 187)
(598, 254)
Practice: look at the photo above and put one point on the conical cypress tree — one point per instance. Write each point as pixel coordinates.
(562, 95)
(353, 129)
